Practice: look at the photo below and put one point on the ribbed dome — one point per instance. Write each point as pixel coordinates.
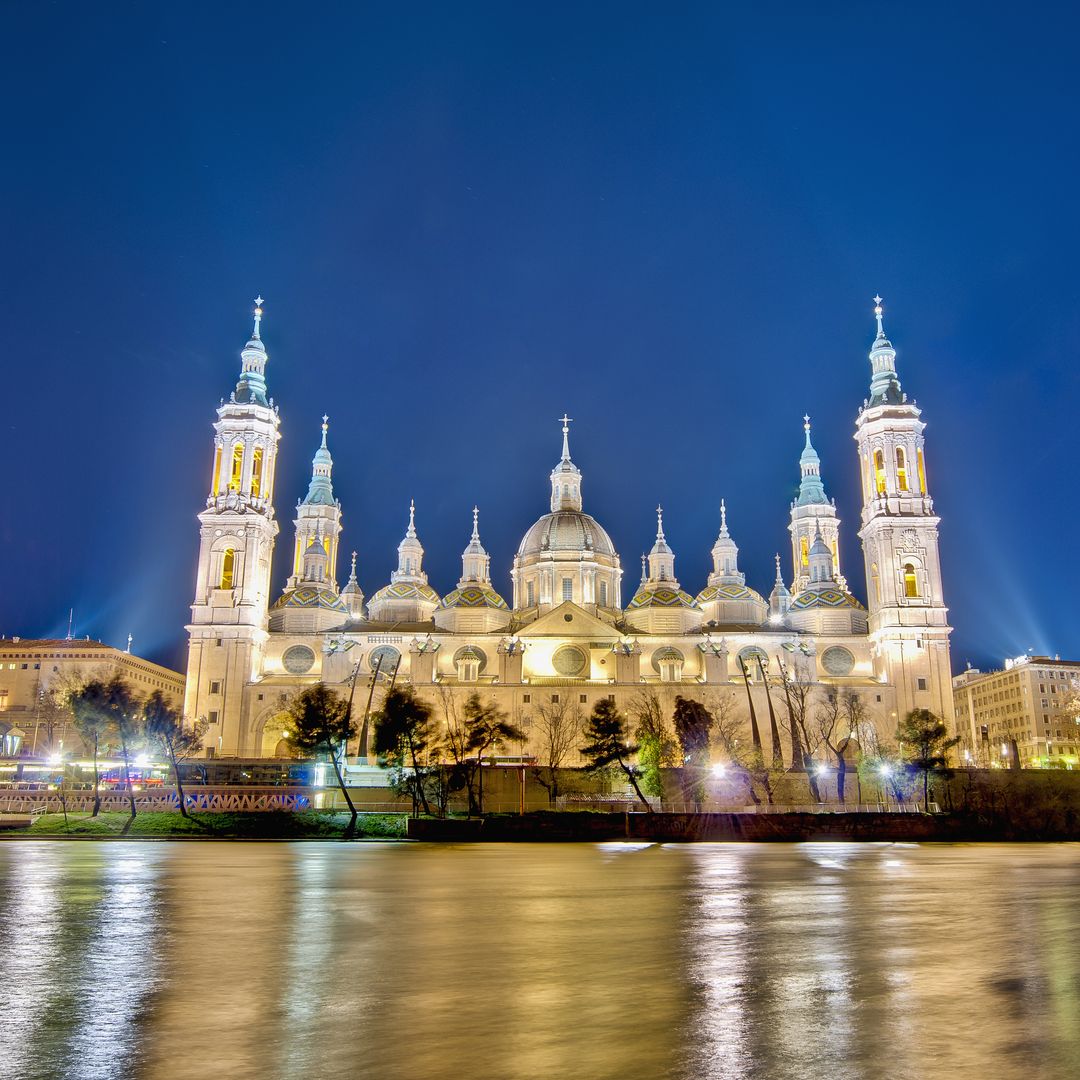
(566, 531)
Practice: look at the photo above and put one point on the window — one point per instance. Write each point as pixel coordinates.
(219, 643)
(922, 472)
(901, 469)
(611, 697)
(526, 698)
(237, 467)
(256, 472)
(228, 568)
(911, 582)
(25, 666)
(3, 700)
(874, 577)
(568, 588)
(879, 472)
(215, 687)
(921, 684)
(583, 698)
(554, 699)
(215, 481)
(212, 717)
(530, 593)
(603, 594)
(804, 552)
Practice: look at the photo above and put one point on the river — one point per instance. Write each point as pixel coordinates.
(182, 960)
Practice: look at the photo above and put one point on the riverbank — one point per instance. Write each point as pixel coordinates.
(271, 825)
(751, 828)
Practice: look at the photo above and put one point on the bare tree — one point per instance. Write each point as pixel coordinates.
(732, 735)
(799, 693)
(557, 726)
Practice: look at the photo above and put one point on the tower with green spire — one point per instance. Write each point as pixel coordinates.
(812, 511)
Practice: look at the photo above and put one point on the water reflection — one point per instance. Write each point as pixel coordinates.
(732, 961)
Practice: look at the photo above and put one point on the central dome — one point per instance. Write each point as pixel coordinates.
(566, 532)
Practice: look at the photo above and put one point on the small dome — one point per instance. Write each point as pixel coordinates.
(566, 531)
(825, 598)
(664, 598)
(405, 590)
(473, 596)
(731, 591)
(311, 596)
(470, 652)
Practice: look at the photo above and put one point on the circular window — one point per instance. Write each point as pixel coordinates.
(837, 660)
(750, 656)
(471, 652)
(390, 659)
(666, 656)
(298, 659)
(569, 661)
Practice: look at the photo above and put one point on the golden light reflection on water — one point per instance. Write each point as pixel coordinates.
(729, 961)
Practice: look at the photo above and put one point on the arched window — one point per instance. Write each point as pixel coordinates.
(237, 467)
(901, 469)
(879, 472)
(228, 568)
(911, 582)
(530, 594)
(256, 472)
(603, 594)
(216, 485)
(804, 551)
(922, 472)
(876, 580)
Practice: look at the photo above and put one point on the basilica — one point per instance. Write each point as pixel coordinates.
(566, 637)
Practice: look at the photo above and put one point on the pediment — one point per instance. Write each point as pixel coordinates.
(579, 624)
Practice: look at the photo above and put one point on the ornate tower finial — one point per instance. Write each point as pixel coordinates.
(723, 518)
(659, 523)
(475, 523)
(411, 530)
(325, 424)
(779, 576)
(566, 422)
(879, 312)
(352, 569)
(258, 316)
(644, 572)
(806, 427)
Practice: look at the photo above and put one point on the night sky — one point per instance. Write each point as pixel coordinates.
(466, 219)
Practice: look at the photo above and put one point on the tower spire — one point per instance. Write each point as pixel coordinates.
(723, 519)
(659, 523)
(258, 318)
(566, 422)
(411, 530)
(884, 383)
(475, 523)
(779, 576)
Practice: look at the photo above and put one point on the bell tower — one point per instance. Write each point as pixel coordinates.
(228, 624)
(908, 619)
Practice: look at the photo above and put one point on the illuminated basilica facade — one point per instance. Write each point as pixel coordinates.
(566, 636)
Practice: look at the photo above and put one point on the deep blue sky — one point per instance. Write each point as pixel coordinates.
(468, 218)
